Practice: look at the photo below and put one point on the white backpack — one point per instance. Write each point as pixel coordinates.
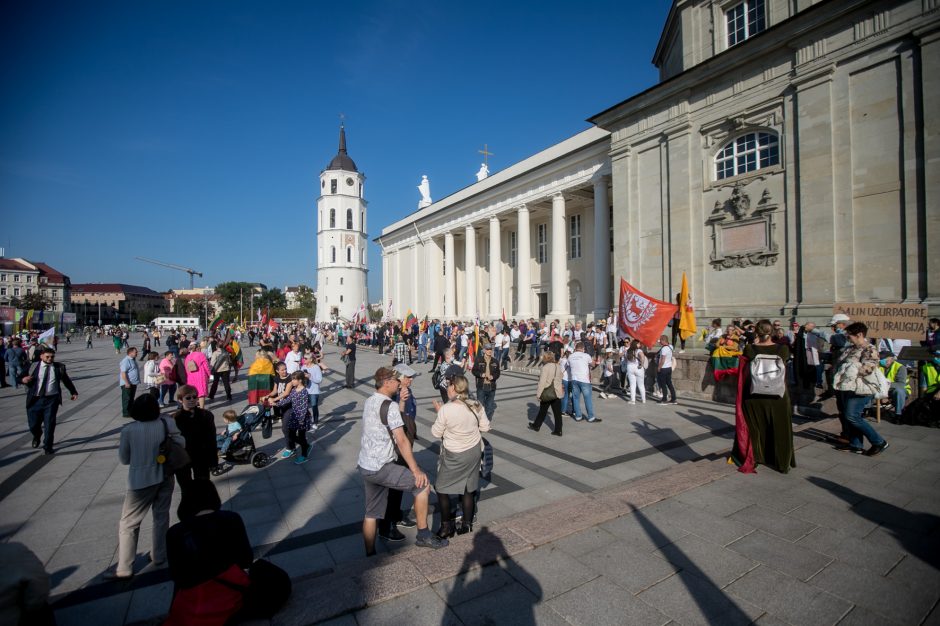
(768, 375)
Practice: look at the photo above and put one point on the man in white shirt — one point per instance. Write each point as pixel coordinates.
(292, 358)
(664, 370)
(580, 364)
(381, 435)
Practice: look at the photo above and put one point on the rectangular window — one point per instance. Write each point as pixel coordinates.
(16, 278)
(29, 291)
(512, 248)
(543, 243)
(3, 278)
(574, 236)
(745, 20)
(29, 278)
(16, 291)
(333, 185)
(3, 291)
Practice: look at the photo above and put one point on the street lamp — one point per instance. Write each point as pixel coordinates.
(205, 293)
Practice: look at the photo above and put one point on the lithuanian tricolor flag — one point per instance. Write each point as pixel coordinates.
(260, 380)
(410, 319)
(216, 324)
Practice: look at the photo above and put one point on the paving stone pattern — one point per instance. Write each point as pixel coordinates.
(635, 520)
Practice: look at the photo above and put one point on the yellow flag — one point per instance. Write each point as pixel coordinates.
(687, 326)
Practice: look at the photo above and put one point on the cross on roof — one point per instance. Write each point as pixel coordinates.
(486, 153)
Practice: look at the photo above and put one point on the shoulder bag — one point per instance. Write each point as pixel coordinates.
(172, 456)
(548, 394)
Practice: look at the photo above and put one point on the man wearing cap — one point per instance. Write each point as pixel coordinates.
(383, 429)
(897, 376)
(44, 395)
(388, 525)
(486, 372)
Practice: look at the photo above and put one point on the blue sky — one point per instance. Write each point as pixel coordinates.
(195, 132)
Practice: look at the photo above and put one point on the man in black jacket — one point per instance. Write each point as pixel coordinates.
(44, 395)
(486, 371)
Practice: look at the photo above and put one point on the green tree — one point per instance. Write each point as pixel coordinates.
(35, 301)
(235, 297)
(305, 298)
(271, 299)
(188, 307)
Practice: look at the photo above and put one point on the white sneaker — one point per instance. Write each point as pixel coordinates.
(632, 401)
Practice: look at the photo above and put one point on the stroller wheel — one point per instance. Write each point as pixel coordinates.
(259, 459)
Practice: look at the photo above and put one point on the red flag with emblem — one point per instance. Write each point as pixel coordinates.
(642, 317)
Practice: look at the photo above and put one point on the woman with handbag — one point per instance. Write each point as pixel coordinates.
(208, 553)
(197, 373)
(152, 376)
(198, 427)
(549, 392)
(143, 447)
(458, 424)
(857, 382)
(636, 364)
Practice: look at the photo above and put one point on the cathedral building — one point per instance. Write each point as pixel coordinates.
(341, 239)
(788, 159)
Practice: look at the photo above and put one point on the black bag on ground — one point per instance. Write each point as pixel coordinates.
(268, 591)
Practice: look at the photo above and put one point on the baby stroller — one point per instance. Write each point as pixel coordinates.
(243, 449)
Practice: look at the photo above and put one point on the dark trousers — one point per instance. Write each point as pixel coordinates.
(438, 358)
(664, 380)
(224, 377)
(41, 417)
(393, 512)
(186, 475)
(675, 335)
(127, 398)
(543, 411)
(350, 373)
(297, 436)
(487, 397)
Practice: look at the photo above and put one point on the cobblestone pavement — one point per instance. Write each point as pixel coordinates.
(637, 519)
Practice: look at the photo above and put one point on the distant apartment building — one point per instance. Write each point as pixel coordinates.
(119, 303)
(19, 278)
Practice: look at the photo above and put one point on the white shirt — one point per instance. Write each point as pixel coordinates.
(292, 361)
(514, 334)
(314, 378)
(580, 364)
(665, 357)
(50, 384)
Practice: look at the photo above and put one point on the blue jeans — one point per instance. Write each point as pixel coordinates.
(422, 353)
(582, 389)
(898, 395)
(487, 397)
(224, 442)
(566, 386)
(858, 426)
(167, 391)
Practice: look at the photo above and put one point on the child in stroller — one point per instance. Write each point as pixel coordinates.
(230, 433)
(241, 448)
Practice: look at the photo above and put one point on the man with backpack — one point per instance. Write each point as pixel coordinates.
(383, 430)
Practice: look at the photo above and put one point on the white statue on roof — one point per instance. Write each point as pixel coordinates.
(425, 189)
(483, 173)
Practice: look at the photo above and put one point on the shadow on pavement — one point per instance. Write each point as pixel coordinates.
(914, 531)
(715, 604)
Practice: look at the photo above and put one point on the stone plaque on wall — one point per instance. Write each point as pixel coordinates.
(742, 235)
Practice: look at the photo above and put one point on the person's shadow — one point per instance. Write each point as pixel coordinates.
(488, 550)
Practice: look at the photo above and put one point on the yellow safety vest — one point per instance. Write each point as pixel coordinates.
(892, 372)
(932, 377)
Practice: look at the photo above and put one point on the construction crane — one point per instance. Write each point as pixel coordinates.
(188, 270)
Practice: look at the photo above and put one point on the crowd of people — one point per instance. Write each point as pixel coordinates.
(181, 448)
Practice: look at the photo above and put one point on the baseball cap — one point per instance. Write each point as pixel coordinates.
(404, 370)
(838, 317)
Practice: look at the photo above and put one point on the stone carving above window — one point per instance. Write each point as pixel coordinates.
(743, 232)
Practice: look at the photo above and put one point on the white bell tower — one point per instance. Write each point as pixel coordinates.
(341, 239)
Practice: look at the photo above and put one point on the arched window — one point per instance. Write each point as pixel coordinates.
(747, 153)
(332, 218)
(349, 254)
(349, 225)
(332, 254)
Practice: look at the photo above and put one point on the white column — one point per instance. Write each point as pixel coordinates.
(432, 267)
(470, 272)
(496, 271)
(450, 285)
(399, 286)
(559, 287)
(417, 260)
(601, 250)
(523, 265)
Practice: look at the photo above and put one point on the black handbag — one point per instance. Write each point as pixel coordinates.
(172, 456)
(548, 394)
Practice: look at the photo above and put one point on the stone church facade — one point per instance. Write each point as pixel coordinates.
(788, 159)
